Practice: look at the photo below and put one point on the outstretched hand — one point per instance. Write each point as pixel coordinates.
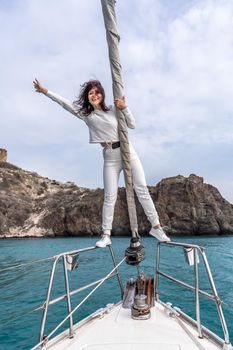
(120, 103)
(38, 87)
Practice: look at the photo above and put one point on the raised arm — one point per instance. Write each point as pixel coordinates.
(38, 87)
(65, 103)
(121, 104)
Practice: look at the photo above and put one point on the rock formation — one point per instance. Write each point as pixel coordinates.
(191, 207)
(3, 155)
(31, 205)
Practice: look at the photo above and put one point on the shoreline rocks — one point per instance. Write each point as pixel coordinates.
(34, 206)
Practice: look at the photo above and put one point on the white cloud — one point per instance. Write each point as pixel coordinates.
(186, 98)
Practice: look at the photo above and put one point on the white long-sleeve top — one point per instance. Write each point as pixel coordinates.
(103, 126)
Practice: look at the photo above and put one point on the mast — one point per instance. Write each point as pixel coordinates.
(113, 39)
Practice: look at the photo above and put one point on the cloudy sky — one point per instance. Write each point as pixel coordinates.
(177, 59)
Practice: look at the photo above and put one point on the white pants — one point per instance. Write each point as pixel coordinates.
(112, 168)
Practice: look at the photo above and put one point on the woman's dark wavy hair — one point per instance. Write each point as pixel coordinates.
(84, 106)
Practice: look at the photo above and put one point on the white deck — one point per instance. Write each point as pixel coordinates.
(116, 330)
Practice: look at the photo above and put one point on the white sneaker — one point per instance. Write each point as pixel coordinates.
(159, 234)
(103, 242)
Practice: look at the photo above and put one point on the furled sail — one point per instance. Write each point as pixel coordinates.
(113, 38)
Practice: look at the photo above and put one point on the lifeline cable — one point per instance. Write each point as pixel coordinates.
(25, 264)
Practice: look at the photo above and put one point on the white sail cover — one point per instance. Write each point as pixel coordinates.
(113, 38)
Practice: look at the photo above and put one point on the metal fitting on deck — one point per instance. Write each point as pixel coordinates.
(140, 309)
(135, 253)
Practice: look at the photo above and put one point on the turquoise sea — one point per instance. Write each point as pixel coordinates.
(23, 288)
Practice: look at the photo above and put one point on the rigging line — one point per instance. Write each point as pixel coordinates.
(227, 304)
(25, 264)
(187, 331)
(22, 315)
(84, 299)
(6, 282)
(3, 325)
(219, 252)
(175, 314)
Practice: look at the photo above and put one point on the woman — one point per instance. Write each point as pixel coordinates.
(103, 128)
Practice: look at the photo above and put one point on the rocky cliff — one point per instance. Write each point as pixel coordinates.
(31, 205)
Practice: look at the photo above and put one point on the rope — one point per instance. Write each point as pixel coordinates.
(187, 331)
(174, 314)
(52, 257)
(113, 38)
(25, 313)
(84, 299)
(4, 324)
(25, 264)
(220, 252)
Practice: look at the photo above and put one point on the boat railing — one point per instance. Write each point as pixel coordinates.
(69, 262)
(192, 253)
